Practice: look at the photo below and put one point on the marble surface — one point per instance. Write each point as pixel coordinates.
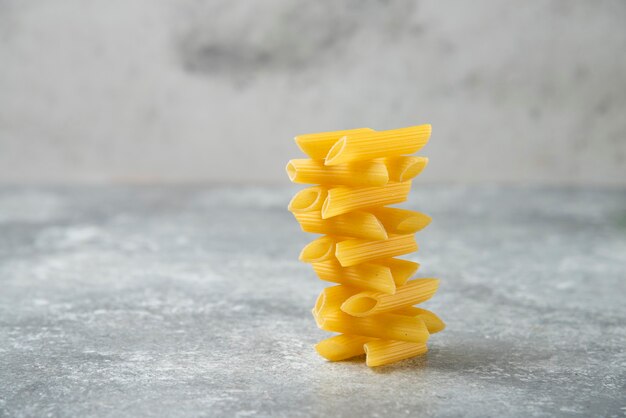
(149, 90)
(190, 301)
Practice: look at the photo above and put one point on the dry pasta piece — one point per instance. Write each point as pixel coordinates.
(345, 199)
(401, 270)
(366, 173)
(317, 145)
(385, 326)
(373, 303)
(329, 317)
(320, 249)
(356, 251)
(369, 145)
(405, 168)
(401, 221)
(307, 200)
(355, 224)
(342, 347)
(331, 298)
(381, 352)
(377, 277)
(432, 321)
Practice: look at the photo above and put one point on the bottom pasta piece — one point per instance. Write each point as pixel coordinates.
(342, 347)
(378, 352)
(381, 352)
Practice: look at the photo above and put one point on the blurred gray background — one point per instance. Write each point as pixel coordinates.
(213, 91)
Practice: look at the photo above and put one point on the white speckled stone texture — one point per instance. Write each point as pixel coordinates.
(190, 301)
(179, 90)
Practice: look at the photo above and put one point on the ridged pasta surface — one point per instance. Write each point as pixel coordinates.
(354, 175)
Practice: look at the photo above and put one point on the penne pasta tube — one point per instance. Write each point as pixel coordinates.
(432, 321)
(374, 303)
(401, 270)
(385, 326)
(331, 298)
(401, 221)
(355, 251)
(320, 249)
(366, 173)
(405, 168)
(344, 199)
(356, 225)
(381, 352)
(307, 200)
(369, 145)
(342, 347)
(317, 145)
(370, 276)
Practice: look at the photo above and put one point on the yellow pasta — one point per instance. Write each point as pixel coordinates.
(309, 199)
(344, 199)
(321, 249)
(369, 145)
(432, 321)
(381, 352)
(401, 270)
(401, 221)
(369, 276)
(355, 251)
(366, 173)
(356, 224)
(317, 145)
(373, 303)
(342, 347)
(355, 174)
(329, 317)
(405, 168)
(385, 326)
(331, 298)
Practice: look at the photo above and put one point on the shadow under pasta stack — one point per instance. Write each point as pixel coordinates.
(356, 174)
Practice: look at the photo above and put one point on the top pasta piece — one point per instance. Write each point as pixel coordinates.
(317, 145)
(368, 145)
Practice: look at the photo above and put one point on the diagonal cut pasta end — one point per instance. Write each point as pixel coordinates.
(414, 223)
(291, 171)
(307, 200)
(334, 154)
(359, 305)
(318, 250)
(413, 169)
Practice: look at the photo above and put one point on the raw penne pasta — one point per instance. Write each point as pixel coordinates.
(367, 173)
(373, 303)
(342, 347)
(405, 168)
(331, 298)
(369, 145)
(321, 249)
(354, 174)
(355, 251)
(401, 221)
(385, 326)
(364, 276)
(432, 321)
(317, 145)
(381, 352)
(307, 200)
(356, 224)
(344, 199)
(401, 270)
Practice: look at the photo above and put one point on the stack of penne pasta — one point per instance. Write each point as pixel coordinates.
(356, 173)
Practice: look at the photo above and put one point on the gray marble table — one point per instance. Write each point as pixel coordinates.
(190, 301)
